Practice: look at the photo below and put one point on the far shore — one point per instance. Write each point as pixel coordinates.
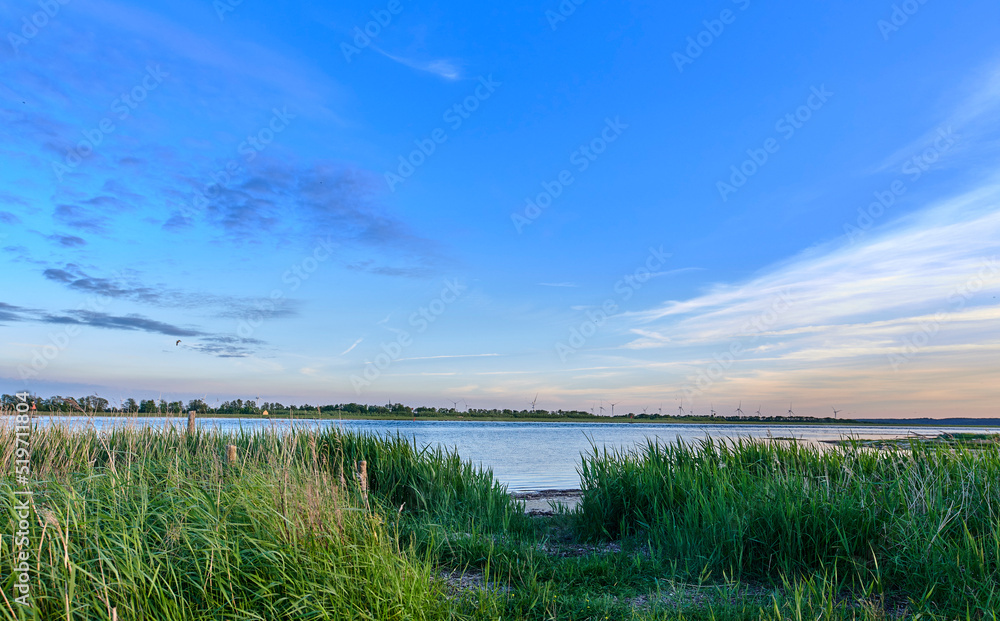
(639, 419)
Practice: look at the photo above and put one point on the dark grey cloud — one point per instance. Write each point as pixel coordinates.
(115, 193)
(68, 241)
(20, 254)
(94, 213)
(285, 200)
(177, 222)
(128, 287)
(104, 202)
(115, 322)
(59, 275)
(8, 199)
(219, 345)
(11, 313)
(268, 309)
(81, 218)
(75, 278)
(228, 346)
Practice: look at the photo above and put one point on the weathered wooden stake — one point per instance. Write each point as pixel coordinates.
(231, 454)
(363, 475)
(191, 424)
(114, 614)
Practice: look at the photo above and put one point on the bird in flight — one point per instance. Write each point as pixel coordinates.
(177, 343)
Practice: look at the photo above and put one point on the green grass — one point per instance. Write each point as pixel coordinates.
(919, 524)
(157, 525)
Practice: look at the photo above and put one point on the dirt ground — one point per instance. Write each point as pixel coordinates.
(546, 501)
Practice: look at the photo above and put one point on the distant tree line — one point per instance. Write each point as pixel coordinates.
(250, 407)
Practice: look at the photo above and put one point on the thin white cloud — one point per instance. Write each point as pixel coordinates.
(557, 284)
(507, 373)
(679, 270)
(443, 68)
(916, 263)
(245, 59)
(967, 119)
(351, 348)
(454, 356)
(906, 310)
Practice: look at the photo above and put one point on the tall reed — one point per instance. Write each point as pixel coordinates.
(919, 521)
(157, 525)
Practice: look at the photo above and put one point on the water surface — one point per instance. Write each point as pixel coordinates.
(530, 456)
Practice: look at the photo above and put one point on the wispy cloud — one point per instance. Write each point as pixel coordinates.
(127, 322)
(11, 313)
(127, 286)
(974, 115)
(910, 267)
(925, 288)
(68, 241)
(225, 346)
(557, 284)
(679, 270)
(351, 348)
(383, 270)
(445, 69)
(454, 356)
(219, 345)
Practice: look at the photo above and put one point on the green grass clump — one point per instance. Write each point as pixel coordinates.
(156, 525)
(922, 523)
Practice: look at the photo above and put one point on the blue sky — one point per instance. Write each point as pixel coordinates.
(659, 204)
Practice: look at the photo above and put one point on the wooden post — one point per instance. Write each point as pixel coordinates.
(114, 614)
(363, 476)
(231, 454)
(191, 424)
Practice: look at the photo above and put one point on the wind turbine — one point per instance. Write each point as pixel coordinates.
(602, 407)
(680, 410)
(836, 411)
(758, 411)
(613, 408)
(711, 407)
(790, 412)
(739, 409)
(454, 404)
(533, 402)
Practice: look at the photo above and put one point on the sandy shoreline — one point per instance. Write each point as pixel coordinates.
(544, 502)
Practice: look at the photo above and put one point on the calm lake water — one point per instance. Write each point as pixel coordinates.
(536, 456)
